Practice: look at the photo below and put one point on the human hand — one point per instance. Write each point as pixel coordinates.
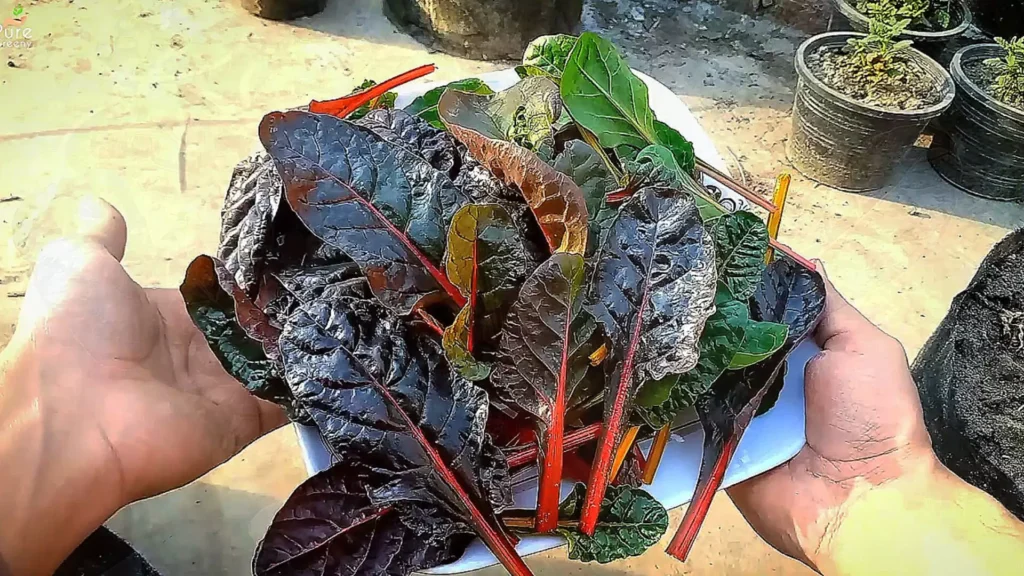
(111, 384)
(865, 429)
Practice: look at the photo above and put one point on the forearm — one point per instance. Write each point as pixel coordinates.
(56, 485)
(929, 523)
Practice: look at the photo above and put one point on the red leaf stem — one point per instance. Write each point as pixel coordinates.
(342, 107)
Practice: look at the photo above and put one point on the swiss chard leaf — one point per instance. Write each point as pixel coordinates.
(331, 525)
(682, 149)
(630, 522)
(487, 261)
(425, 106)
(557, 203)
(741, 240)
(383, 102)
(660, 401)
(584, 165)
(523, 114)
(238, 332)
(384, 206)
(549, 53)
(790, 295)
(760, 340)
(545, 349)
(384, 392)
(250, 206)
(414, 134)
(656, 166)
(653, 290)
(604, 96)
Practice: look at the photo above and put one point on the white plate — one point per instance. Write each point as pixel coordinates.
(771, 439)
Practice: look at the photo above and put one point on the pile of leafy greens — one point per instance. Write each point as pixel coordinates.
(485, 278)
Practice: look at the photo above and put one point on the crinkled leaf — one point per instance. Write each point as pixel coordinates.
(741, 240)
(556, 201)
(545, 354)
(386, 207)
(630, 522)
(487, 261)
(655, 166)
(604, 96)
(682, 149)
(760, 340)
(384, 391)
(660, 401)
(331, 527)
(549, 53)
(238, 332)
(583, 164)
(250, 205)
(414, 134)
(425, 106)
(653, 290)
(790, 295)
(523, 114)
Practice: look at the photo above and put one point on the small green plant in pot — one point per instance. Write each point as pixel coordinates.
(932, 22)
(981, 149)
(861, 102)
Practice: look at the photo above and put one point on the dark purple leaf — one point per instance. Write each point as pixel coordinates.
(788, 294)
(330, 526)
(437, 147)
(383, 391)
(653, 290)
(384, 206)
(250, 205)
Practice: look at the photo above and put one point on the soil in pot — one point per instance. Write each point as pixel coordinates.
(980, 147)
(851, 125)
(908, 87)
(970, 376)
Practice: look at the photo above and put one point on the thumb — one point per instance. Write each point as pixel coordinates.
(99, 222)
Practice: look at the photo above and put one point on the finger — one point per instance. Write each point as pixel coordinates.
(840, 319)
(100, 223)
(272, 416)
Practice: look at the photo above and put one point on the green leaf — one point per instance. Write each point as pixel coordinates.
(426, 106)
(525, 71)
(523, 114)
(741, 240)
(682, 149)
(604, 96)
(760, 340)
(659, 402)
(655, 165)
(18, 10)
(548, 54)
(487, 261)
(580, 162)
(630, 522)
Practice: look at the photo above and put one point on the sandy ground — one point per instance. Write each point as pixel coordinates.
(150, 104)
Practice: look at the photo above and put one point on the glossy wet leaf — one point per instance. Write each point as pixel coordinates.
(790, 295)
(545, 355)
(604, 96)
(659, 402)
(523, 114)
(741, 240)
(434, 145)
(425, 106)
(656, 166)
(250, 206)
(487, 261)
(580, 162)
(556, 201)
(549, 53)
(237, 331)
(629, 523)
(387, 208)
(331, 526)
(382, 390)
(653, 289)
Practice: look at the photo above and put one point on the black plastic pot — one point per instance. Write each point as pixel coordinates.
(844, 143)
(981, 149)
(999, 17)
(959, 12)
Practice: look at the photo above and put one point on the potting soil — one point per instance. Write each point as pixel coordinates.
(908, 87)
(985, 75)
(970, 376)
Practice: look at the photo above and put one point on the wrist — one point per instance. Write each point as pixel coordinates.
(925, 522)
(58, 481)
